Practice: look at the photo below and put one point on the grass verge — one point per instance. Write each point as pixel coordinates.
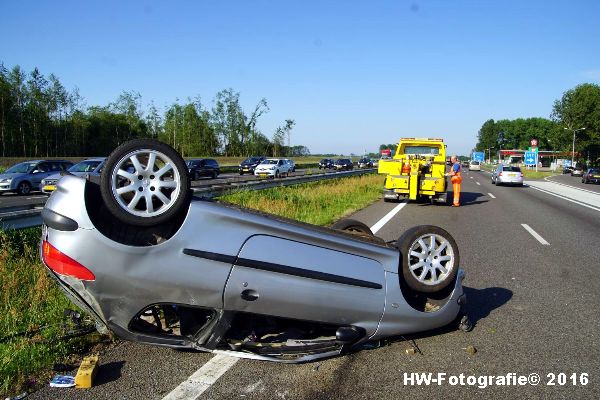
(32, 320)
(319, 203)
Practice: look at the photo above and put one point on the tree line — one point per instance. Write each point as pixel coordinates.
(577, 113)
(39, 117)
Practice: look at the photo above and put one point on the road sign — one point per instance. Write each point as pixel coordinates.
(478, 156)
(567, 163)
(530, 157)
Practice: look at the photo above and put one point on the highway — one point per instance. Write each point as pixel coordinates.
(531, 262)
(9, 200)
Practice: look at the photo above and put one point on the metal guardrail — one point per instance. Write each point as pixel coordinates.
(30, 216)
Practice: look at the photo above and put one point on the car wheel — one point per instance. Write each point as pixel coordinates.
(429, 258)
(276, 174)
(24, 188)
(214, 174)
(352, 226)
(145, 182)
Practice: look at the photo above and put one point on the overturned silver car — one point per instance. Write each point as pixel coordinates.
(154, 265)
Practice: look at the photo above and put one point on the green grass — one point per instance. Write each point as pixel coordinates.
(319, 203)
(31, 315)
(532, 174)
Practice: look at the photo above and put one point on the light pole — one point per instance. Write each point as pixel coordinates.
(573, 153)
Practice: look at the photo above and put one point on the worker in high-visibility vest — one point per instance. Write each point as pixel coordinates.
(456, 180)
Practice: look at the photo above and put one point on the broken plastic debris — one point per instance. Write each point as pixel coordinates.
(62, 381)
(411, 351)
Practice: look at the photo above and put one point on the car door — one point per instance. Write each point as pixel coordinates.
(291, 279)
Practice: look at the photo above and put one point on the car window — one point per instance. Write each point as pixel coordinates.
(21, 168)
(84, 166)
(272, 162)
(594, 171)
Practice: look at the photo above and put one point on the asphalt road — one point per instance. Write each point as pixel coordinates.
(576, 182)
(535, 308)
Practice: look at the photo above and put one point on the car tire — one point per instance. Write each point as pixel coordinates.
(352, 226)
(125, 173)
(276, 174)
(430, 269)
(214, 175)
(24, 188)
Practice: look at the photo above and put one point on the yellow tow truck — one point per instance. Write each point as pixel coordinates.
(417, 170)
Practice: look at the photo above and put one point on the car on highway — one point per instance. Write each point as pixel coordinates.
(464, 164)
(507, 175)
(85, 168)
(474, 166)
(292, 164)
(567, 170)
(203, 167)
(365, 163)
(190, 273)
(343, 164)
(26, 176)
(326, 163)
(273, 168)
(249, 164)
(577, 171)
(592, 175)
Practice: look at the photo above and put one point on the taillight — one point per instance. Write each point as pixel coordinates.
(500, 174)
(522, 175)
(63, 264)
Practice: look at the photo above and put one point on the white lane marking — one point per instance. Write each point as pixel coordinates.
(491, 195)
(36, 197)
(388, 216)
(471, 177)
(535, 235)
(478, 183)
(202, 379)
(566, 198)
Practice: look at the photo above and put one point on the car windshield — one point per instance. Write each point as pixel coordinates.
(421, 150)
(512, 169)
(594, 171)
(474, 162)
(22, 168)
(251, 160)
(85, 166)
(270, 162)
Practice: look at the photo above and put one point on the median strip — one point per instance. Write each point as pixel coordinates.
(535, 235)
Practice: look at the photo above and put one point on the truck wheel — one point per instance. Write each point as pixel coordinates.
(145, 182)
(429, 258)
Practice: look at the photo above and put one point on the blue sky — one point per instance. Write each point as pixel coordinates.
(352, 74)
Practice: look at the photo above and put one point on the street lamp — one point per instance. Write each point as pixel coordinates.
(573, 153)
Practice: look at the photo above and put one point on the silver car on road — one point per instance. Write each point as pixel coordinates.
(507, 175)
(153, 265)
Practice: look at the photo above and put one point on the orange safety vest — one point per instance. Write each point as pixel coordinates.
(456, 177)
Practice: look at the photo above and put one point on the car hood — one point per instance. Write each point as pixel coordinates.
(12, 175)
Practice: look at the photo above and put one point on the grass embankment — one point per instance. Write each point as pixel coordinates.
(319, 203)
(32, 317)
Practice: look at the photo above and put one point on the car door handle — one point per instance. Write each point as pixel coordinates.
(249, 295)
